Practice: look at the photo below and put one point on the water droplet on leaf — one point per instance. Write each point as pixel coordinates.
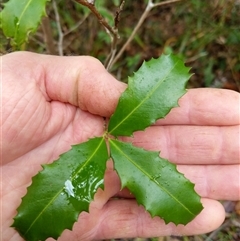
(69, 188)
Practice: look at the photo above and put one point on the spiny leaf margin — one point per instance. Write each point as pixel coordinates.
(20, 18)
(61, 191)
(153, 211)
(155, 183)
(151, 93)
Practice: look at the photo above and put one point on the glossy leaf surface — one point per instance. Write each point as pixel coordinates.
(155, 183)
(152, 92)
(61, 191)
(19, 18)
(66, 187)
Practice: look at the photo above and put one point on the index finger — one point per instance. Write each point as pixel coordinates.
(205, 106)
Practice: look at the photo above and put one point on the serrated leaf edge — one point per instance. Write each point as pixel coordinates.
(17, 25)
(19, 20)
(142, 170)
(147, 97)
(61, 190)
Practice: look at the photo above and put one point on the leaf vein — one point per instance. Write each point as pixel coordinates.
(60, 191)
(146, 98)
(150, 177)
(21, 16)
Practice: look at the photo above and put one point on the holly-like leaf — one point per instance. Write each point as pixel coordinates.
(65, 188)
(19, 18)
(61, 191)
(155, 183)
(152, 92)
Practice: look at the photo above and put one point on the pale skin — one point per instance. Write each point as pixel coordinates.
(50, 103)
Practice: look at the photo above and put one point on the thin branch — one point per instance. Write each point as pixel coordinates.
(164, 3)
(48, 36)
(148, 8)
(77, 25)
(60, 33)
(110, 58)
(117, 17)
(90, 5)
(112, 31)
(141, 20)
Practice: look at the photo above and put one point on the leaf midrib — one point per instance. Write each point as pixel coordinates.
(21, 16)
(61, 190)
(149, 176)
(142, 102)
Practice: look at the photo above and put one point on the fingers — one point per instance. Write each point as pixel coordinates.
(192, 144)
(220, 182)
(83, 81)
(125, 219)
(206, 107)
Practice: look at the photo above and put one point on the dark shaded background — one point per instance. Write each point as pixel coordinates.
(206, 34)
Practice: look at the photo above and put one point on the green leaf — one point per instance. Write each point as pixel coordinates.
(21, 17)
(61, 191)
(152, 92)
(65, 188)
(155, 183)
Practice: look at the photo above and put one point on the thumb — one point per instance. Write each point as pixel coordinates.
(79, 80)
(82, 81)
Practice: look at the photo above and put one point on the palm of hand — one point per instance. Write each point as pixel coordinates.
(35, 139)
(36, 130)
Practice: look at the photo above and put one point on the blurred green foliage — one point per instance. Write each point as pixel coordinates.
(206, 34)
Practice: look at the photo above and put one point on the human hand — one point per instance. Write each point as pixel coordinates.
(50, 103)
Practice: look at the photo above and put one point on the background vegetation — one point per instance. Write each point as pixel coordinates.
(206, 34)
